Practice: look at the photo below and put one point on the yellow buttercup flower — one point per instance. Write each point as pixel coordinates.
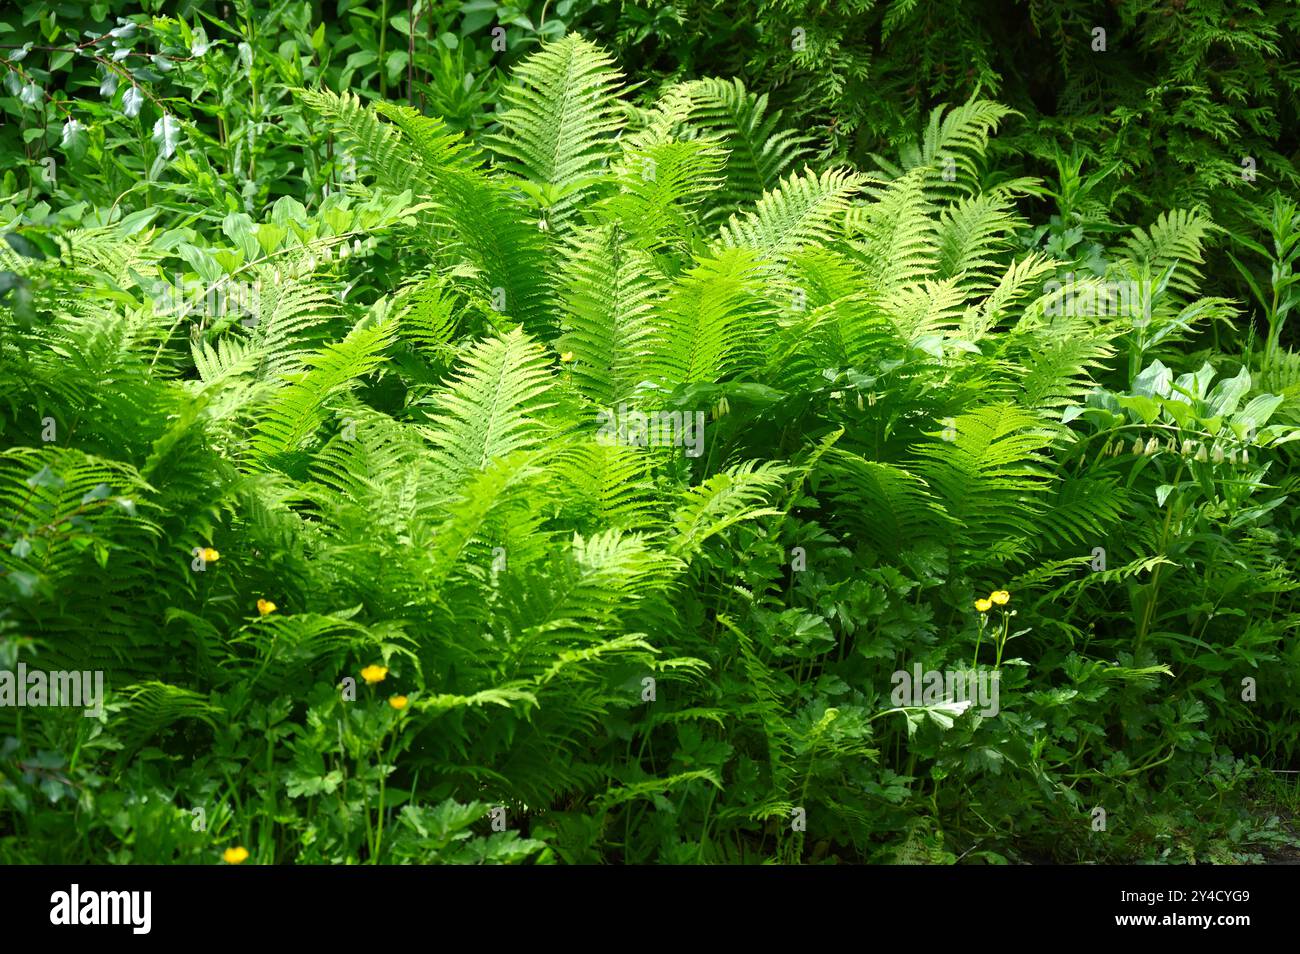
(983, 605)
(373, 674)
(1001, 597)
(566, 357)
(398, 702)
(265, 607)
(210, 555)
(236, 855)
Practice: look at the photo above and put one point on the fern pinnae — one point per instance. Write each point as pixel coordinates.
(490, 410)
(559, 122)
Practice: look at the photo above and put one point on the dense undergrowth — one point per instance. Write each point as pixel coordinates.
(483, 454)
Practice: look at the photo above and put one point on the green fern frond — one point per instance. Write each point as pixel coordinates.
(881, 503)
(803, 209)
(896, 244)
(491, 407)
(1081, 511)
(297, 410)
(1174, 242)
(609, 485)
(759, 152)
(371, 474)
(662, 190)
(1020, 279)
(559, 121)
(427, 315)
(1057, 367)
(991, 476)
(973, 236)
(704, 325)
(287, 311)
(927, 310)
(950, 150)
(150, 707)
(727, 498)
(609, 292)
(476, 218)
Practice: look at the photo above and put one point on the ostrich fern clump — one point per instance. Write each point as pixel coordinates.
(633, 653)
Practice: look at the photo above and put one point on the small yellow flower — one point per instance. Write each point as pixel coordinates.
(566, 357)
(236, 855)
(398, 702)
(210, 555)
(265, 607)
(1001, 597)
(983, 605)
(373, 674)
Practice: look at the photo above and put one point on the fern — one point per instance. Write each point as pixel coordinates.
(802, 210)
(883, 504)
(953, 143)
(296, 412)
(370, 540)
(727, 498)
(990, 477)
(609, 294)
(703, 325)
(491, 409)
(559, 122)
(475, 215)
(896, 243)
(759, 150)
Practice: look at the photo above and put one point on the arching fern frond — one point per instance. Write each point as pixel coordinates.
(609, 485)
(1058, 364)
(609, 292)
(896, 242)
(759, 151)
(1020, 279)
(951, 148)
(991, 476)
(297, 410)
(973, 236)
(426, 315)
(476, 218)
(559, 121)
(881, 503)
(1174, 241)
(804, 209)
(490, 409)
(150, 707)
(728, 497)
(1080, 512)
(663, 188)
(706, 321)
